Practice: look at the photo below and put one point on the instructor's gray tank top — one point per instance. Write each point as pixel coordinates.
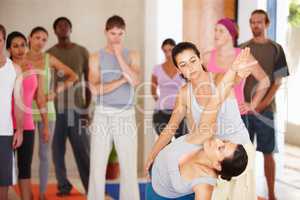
(122, 97)
(166, 180)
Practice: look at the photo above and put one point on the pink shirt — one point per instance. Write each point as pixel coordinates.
(167, 88)
(239, 87)
(30, 84)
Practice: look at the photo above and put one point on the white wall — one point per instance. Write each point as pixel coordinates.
(88, 18)
(163, 19)
(169, 23)
(244, 11)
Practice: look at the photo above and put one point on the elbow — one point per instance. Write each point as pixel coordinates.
(266, 83)
(136, 82)
(93, 88)
(41, 102)
(75, 78)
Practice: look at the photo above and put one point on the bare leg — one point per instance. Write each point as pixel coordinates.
(4, 193)
(25, 188)
(107, 197)
(269, 165)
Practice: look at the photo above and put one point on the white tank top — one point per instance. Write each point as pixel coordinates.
(7, 81)
(230, 125)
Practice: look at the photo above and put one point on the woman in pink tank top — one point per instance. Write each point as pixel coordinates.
(221, 58)
(32, 89)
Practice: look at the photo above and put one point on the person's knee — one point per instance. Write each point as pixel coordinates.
(269, 158)
(43, 152)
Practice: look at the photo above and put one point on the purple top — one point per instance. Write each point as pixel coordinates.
(167, 88)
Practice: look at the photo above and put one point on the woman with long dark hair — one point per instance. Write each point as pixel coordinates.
(47, 65)
(33, 85)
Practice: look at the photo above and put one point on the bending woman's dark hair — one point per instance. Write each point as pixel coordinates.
(234, 165)
(12, 36)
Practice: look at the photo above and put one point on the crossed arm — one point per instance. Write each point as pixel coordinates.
(130, 73)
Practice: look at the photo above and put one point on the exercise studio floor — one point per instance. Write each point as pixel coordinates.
(287, 184)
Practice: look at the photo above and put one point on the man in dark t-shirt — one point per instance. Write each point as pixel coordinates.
(70, 109)
(260, 123)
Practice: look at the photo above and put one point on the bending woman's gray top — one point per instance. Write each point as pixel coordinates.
(166, 179)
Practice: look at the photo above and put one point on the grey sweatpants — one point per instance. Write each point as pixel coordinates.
(44, 154)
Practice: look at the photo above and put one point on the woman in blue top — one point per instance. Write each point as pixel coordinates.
(188, 167)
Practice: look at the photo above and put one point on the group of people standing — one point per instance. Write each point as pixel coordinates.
(42, 105)
(50, 93)
(213, 103)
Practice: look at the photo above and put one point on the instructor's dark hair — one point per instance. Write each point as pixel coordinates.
(12, 36)
(235, 165)
(182, 46)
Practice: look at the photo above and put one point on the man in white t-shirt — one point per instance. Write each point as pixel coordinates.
(10, 85)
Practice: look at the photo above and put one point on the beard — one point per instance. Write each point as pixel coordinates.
(257, 33)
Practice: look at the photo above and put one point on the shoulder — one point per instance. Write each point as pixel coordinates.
(277, 46)
(206, 56)
(52, 49)
(133, 54)
(207, 53)
(156, 69)
(81, 48)
(94, 57)
(245, 44)
(17, 68)
(183, 91)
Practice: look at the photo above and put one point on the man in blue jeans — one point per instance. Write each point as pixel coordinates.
(271, 57)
